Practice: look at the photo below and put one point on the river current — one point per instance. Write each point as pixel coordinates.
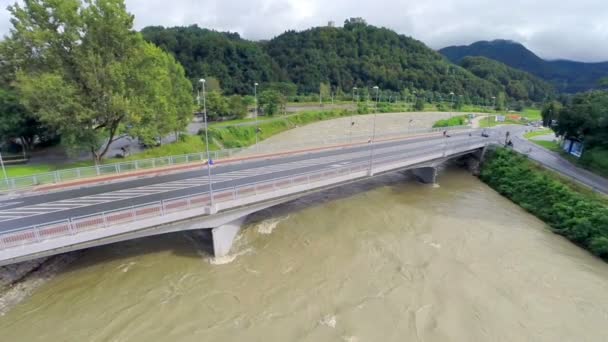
(385, 260)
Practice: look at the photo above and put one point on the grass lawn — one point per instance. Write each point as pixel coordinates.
(549, 145)
(484, 122)
(538, 133)
(532, 114)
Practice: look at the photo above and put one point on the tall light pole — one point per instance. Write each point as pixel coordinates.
(352, 121)
(255, 95)
(202, 82)
(371, 158)
(4, 170)
(452, 100)
(377, 96)
(494, 106)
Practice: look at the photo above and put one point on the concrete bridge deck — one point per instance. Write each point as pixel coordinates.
(54, 223)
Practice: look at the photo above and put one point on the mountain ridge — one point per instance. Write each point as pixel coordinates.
(566, 75)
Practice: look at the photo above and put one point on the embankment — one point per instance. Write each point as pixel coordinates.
(575, 213)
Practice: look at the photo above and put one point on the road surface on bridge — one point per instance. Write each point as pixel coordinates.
(23, 212)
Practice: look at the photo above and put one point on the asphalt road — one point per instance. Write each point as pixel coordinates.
(22, 212)
(553, 160)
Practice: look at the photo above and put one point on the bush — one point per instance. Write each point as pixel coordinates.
(580, 216)
(453, 121)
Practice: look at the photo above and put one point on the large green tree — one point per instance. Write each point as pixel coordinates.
(17, 123)
(585, 118)
(84, 71)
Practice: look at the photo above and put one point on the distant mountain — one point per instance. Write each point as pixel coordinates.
(517, 84)
(566, 76)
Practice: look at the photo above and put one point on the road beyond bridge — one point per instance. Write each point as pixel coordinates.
(54, 223)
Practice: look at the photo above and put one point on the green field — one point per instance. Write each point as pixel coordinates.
(492, 122)
(538, 133)
(549, 145)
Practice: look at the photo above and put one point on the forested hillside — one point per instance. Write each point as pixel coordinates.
(236, 62)
(516, 83)
(566, 76)
(358, 55)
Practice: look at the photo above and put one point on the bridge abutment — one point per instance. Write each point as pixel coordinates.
(427, 175)
(223, 236)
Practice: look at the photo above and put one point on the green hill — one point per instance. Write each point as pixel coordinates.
(566, 76)
(356, 55)
(517, 84)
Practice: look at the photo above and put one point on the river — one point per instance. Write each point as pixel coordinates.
(385, 260)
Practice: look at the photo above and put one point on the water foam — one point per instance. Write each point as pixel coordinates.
(226, 259)
(266, 227)
(329, 320)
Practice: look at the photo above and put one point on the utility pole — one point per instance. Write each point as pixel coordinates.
(255, 95)
(202, 81)
(4, 170)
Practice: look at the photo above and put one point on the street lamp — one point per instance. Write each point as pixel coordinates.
(371, 159)
(255, 95)
(377, 96)
(4, 170)
(202, 82)
(352, 121)
(494, 106)
(452, 97)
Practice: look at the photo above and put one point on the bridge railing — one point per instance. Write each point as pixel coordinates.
(66, 175)
(107, 219)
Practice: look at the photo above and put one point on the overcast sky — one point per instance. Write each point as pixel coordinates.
(552, 29)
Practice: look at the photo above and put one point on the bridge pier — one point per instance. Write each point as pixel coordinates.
(223, 236)
(427, 175)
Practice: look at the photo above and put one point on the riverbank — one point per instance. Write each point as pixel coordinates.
(578, 214)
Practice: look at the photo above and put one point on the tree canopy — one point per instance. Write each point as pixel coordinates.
(585, 118)
(321, 58)
(83, 70)
(519, 85)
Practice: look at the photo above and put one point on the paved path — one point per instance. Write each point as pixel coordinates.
(553, 160)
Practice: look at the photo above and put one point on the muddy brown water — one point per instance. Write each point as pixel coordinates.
(385, 260)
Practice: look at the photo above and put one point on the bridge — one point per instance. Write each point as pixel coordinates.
(58, 222)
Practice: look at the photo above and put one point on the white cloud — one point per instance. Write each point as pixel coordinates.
(552, 29)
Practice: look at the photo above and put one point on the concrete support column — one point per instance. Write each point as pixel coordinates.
(223, 236)
(427, 175)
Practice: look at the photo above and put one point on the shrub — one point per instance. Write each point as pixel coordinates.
(580, 216)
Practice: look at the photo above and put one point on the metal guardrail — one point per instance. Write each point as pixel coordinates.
(75, 225)
(59, 176)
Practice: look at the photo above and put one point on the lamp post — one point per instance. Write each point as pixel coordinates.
(255, 95)
(494, 106)
(371, 158)
(352, 121)
(4, 170)
(452, 100)
(202, 82)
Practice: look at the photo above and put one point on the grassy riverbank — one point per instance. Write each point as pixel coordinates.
(571, 211)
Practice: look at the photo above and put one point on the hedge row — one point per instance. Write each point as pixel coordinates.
(580, 216)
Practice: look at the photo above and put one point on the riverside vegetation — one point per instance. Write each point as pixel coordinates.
(575, 213)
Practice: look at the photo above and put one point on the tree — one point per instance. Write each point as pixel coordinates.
(17, 123)
(419, 105)
(217, 105)
(324, 91)
(85, 72)
(271, 102)
(500, 102)
(550, 113)
(237, 106)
